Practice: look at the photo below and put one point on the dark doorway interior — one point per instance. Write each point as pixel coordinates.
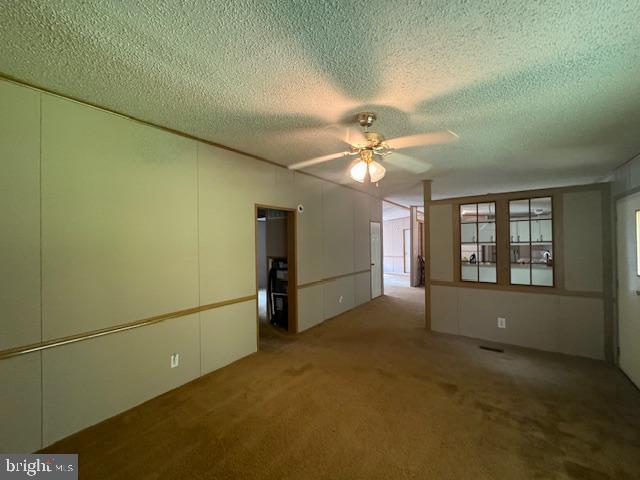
(274, 238)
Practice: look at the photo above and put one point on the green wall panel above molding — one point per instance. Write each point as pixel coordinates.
(361, 232)
(441, 236)
(582, 217)
(119, 219)
(310, 230)
(338, 221)
(229, 187)
(19, 215)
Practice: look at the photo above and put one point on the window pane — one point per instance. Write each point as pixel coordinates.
(487, 254)
(542, 253)
(519, 231)
(520, 254)
(531, 236)
(520, 274)
(488, 273)
(469, 262)
(541, 208)
(470, 273)
(468, 233)
(468, 213)
(486, 212)
(520, 264)
(519, 209)
(541, 230)
(469, 254)
(542, 275)
(486, 232)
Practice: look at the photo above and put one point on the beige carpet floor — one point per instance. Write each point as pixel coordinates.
(372, 395)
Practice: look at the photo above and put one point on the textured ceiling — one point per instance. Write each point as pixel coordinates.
(540, 93)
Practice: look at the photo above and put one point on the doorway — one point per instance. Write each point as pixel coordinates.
(275, 270)
(628, 247)
(396, 246)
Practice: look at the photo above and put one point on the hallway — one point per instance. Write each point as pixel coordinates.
(372, 395)
(395, 280)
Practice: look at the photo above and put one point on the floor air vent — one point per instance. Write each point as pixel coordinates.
(492, 349)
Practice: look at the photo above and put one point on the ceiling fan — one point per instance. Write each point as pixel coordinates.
(368, 144)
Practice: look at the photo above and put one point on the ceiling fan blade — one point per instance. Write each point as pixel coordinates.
(407, 163)
(421, 139)
(345, 134)
(316, 160)
(355, 136)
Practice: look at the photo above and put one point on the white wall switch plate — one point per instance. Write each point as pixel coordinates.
(340, 299)
(502, 322)
(175, 360)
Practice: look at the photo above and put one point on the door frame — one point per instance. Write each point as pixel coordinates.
(404, 251)
(292, 261)
(616, 297)
(380, 260)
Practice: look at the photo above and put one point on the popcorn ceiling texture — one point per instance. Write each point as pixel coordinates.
(541, 93)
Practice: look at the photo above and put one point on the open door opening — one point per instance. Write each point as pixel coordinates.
(397, 246)
(275, 271)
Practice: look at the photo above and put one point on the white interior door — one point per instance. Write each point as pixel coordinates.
(628, 220)
(376, 260)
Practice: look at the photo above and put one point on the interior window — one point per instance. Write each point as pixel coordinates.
(531, 241)
(478, 254)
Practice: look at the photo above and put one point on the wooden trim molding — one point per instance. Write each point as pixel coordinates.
(520, 289)
(426, 191)
(292, 261)
(56, 342)
(539, 192)
(330, 279)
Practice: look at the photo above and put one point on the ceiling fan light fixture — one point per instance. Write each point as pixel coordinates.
(359, 171)
(376, 172)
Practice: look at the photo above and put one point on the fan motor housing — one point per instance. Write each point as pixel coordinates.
(366, 119)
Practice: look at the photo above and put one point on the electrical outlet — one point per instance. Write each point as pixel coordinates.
(340, 299)
(502, 322)
(175, 360)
